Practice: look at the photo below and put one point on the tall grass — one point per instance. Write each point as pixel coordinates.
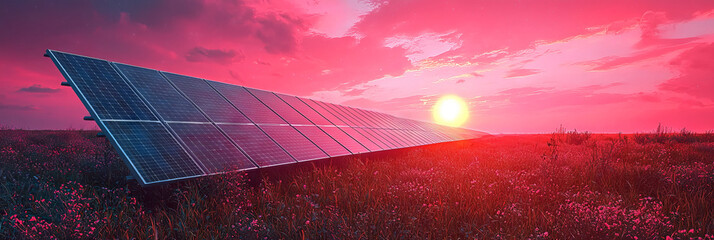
(567, 185)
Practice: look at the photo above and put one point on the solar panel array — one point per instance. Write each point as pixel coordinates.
(168, 127)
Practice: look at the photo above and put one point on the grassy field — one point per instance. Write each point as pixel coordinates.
(565, 185)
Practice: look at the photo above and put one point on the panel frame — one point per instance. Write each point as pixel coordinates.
(100, 122)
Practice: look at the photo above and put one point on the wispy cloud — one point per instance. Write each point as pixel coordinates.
(201, 54)
(36, 88)
(17, 107)
(521, 72)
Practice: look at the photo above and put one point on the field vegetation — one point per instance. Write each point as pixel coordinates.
(565, 185)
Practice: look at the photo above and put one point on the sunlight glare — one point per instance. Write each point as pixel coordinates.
(450, 110)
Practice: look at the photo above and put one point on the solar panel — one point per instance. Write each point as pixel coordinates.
(382, 140)
(357, 119)
(279, 106)
(101, 88)
(294, 143)
(315, 105)
(365, 141)
(306, 110)
(421, 136)
(212, 149)
(369, 134)
(261, 148)
(346, 140)
(377, 120)
(217, 108)
(399, 137)
(151, 150)
(323, 141)
(247, 104)
(166, 100)
(409, 136)
(169, 127)
(345, 115)
(417, 139)
(393, 140)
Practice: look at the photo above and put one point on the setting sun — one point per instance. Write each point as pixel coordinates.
(450, 110)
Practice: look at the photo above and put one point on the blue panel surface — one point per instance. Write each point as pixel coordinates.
(212, 149)
(346, 115)
(295, 143)
(329, 115)
(263, 150)
(376, 139)
(102, 86)
(365, 141)
(304, 109)
(217, 108)
(351, 144)
(152, 151)
(161, 95)
(280, 107)
(323, 141)
(247, 104)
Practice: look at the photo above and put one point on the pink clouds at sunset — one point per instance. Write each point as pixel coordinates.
(523, 66)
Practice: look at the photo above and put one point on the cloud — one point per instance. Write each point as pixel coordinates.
(613, 62)
(490, 25)
(201, 54)
(521, 72)
(36, 88)
(354, 92)
(278, 32)
(696, 72)
(17, 107)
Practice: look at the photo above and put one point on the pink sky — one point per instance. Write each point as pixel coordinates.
(524, 66)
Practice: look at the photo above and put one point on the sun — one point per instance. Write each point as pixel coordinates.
(450, 110)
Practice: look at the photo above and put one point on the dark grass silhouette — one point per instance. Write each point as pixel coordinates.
(567, 185)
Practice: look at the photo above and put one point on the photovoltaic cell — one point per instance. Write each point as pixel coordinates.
(393, 140)
(247, 104)
(372, 136)
(367, 119)
(217, 108)
(152, 151)
(211, 147)
(417, 139)
(281, 108)
(405, 135)
(386, 140)
(420, 136)
(315, 105)
(401, 140)
(413, 140)
(303, 108)
(347, 141)
(345, 115)
(263, 150)
(366, 142)
(387, 121)
(323, 141)
(376, 119)
(102, 86)
(161, 95)
(295, 143)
